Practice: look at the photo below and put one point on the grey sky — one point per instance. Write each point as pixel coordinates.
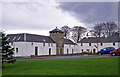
(91, 13)
(40, 17)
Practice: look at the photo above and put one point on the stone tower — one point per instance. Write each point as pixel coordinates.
(58, 36)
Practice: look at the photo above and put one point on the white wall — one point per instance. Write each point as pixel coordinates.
(86, 46)
(28, 48)
(70, 49)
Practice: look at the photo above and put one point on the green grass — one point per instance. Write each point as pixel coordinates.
(93, 66)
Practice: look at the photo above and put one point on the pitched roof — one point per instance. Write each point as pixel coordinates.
(68, 41)
(34, 38)
(113, 38)
(29, 38)
(56, 30)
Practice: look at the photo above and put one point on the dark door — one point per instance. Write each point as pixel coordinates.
(94, 50)
(36, 50)
(49, 51)
(60, 51)
(67, 51)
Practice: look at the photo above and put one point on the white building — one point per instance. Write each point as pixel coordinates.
(94, 44)
(31, 44)
(26, 44)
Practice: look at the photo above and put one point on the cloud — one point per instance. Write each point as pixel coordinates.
(35, 16)
(91, 13)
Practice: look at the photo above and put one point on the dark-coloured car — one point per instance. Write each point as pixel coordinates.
(115, 52)
(106, 50)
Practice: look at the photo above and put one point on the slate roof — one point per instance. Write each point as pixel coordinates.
(29, 38)
(56, 30)
(34, 38)
(114, 38)
(68, 41)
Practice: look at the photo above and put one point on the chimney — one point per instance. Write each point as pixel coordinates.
(24, 36)
(87, 36)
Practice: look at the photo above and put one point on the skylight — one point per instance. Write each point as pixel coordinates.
(7, 38)
(44, 40)
(19, 38)
(14, 38)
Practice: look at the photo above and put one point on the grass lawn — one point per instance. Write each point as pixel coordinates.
(91, 66)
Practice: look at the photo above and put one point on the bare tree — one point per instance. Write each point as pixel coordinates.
(109, 28)
(66, 31)
(97, 30)
(77, 32)
(104, 29)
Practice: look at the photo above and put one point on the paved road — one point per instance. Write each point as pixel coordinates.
(65, 57)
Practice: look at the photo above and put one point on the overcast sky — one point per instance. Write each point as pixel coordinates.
(41, 17)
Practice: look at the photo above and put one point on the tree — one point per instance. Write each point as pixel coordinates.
(104, 29)
(97, 30)
(77, 32)
(66, 31)
(109, 28)
(7, 51)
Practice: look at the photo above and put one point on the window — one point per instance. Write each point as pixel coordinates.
(113, 44)
(49, 44)
(81, 44)
(72, 51)
(52, 44)
(11, 43)
(31, 43)
(89, 44)
(74, 45)
(101, 44)
(44, 44)
(69, 45)
(107, 48)
(82, 50)
(17, 50)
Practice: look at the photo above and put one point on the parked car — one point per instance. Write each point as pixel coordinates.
(106, 50)
(115, 52)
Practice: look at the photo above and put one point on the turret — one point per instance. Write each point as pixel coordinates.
(58, 36)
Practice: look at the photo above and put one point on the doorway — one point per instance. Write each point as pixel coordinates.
(49, 51)
(36, 50)
(60, 51)
(94, 50)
